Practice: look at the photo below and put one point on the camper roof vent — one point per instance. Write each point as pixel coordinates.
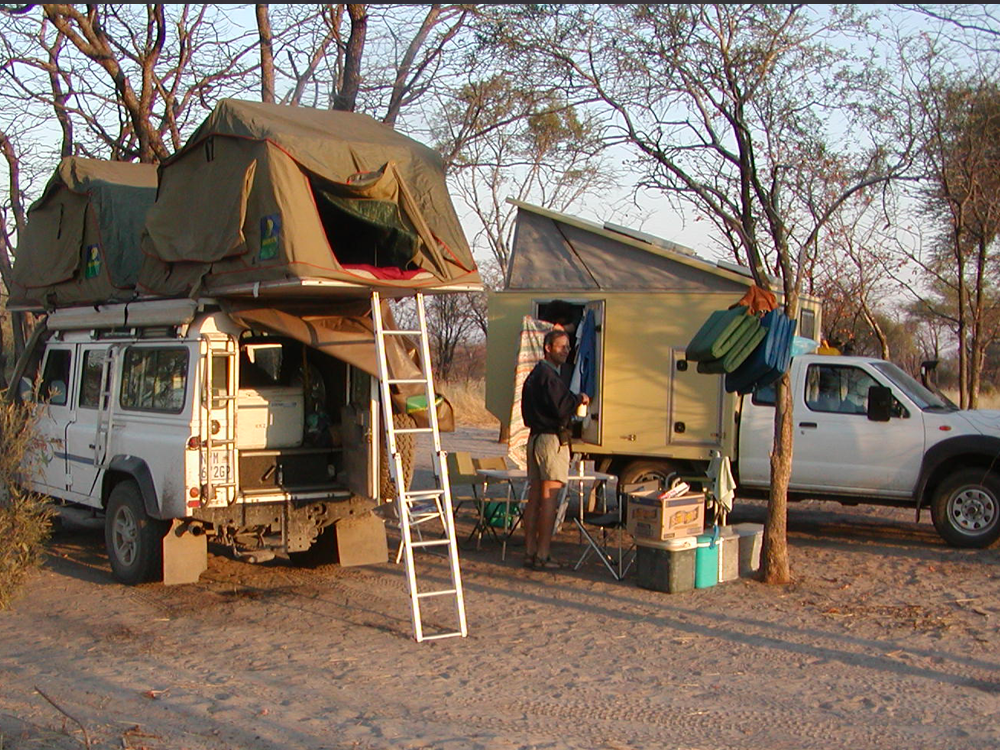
(650, 238)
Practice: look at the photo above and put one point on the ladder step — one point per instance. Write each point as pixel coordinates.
(411, 430)
(431, 543)
(439, 636)
(442, 592)
(400, 332)
(407, 381)
(417, 494)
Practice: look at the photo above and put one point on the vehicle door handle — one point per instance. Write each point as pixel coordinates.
(810, 425)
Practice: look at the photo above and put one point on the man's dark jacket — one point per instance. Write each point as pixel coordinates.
(547, 404)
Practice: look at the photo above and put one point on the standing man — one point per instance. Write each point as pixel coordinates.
(547, 406)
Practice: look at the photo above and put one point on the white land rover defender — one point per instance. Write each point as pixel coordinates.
(181, 425)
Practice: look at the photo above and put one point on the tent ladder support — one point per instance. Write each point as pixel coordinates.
(416, 507)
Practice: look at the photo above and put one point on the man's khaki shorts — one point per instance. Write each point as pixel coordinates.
(547, 460)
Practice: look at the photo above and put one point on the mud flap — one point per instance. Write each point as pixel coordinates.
(185, 553)
(361, 540)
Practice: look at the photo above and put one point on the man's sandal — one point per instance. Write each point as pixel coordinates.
(548, 564)
(530, 561)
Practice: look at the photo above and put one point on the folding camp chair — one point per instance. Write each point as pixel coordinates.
(611, 522)
(465, 482)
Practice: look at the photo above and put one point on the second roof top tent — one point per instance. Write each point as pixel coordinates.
(301, 200)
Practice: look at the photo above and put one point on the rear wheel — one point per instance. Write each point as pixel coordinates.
(966, 508)
(133, 539)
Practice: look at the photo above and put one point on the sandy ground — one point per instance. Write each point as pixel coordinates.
(887, 639)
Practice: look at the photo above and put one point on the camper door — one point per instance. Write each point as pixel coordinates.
(584, 372)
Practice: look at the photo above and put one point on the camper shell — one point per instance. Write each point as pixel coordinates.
(651, 414)
(226, 387)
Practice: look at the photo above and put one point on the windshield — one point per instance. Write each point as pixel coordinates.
(922, 397)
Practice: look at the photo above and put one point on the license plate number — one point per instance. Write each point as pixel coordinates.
(220, 466)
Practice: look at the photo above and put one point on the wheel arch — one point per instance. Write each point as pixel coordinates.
(951, 455)
(621, 465)
(122, 468)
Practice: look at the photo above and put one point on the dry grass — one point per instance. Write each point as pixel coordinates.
(987, 400)
(24, 516)
(468, 397)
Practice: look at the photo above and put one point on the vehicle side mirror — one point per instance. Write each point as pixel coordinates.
(879, 403)
(26, 391)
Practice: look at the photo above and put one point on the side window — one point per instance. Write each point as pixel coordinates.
(154, 379)
(838, 389)
(766, 396)
(55, 377)
(90, 380)
(807, 324)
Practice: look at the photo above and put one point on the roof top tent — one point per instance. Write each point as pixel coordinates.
(302, 203)
(646, 297)
(81, 241)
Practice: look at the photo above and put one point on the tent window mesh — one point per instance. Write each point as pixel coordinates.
(365, 232)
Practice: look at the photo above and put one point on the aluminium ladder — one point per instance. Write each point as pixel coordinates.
(416, 507)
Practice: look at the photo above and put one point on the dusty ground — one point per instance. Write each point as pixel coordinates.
(887, 639)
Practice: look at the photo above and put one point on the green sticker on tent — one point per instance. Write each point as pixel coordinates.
(270, 235)
(92, 268)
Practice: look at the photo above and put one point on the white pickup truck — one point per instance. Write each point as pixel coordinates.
(866, 432)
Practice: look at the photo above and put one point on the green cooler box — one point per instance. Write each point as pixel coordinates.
(666, 566)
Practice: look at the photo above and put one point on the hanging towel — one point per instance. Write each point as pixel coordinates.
(584, 378)
(530, 351)
(720, 473)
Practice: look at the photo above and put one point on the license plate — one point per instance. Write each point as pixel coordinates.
(220, 466)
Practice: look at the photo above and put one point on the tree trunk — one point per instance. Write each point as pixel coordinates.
(775, 552)
(347, 98)
(266, 54)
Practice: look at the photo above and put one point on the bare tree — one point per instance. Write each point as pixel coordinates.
(724, 105)
(503, 140)
(266, 54)
(961, 125)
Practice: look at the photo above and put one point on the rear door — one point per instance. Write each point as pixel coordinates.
(359, 423)
(87, 434)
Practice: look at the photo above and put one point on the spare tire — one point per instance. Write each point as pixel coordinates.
(406, 444)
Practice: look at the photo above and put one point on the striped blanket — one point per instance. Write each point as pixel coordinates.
(529, 353)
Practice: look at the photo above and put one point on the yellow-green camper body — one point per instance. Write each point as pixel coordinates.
(649, 298)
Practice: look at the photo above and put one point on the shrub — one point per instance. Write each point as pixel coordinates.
(25, 517)
(468, 399)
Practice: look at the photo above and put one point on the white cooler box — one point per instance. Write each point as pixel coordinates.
(270, 417)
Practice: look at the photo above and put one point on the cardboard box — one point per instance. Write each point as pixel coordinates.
(649, 517)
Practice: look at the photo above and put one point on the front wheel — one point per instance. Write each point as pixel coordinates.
(134, 540)
(966, 508)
